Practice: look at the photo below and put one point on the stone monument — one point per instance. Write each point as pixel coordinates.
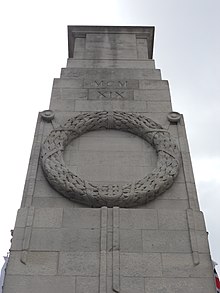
(110, 203)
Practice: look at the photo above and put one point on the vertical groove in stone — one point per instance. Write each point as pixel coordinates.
(192, 235)
(33, 164)
(192, 197)
(116, 249)
(103, 251)
(27, 235)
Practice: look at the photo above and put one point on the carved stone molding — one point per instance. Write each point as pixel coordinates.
(128, 195)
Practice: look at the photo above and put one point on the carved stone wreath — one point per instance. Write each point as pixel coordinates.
(128, 195)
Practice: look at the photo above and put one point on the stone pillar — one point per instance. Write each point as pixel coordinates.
(110, 203)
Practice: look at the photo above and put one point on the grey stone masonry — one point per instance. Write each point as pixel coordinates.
(110, 137)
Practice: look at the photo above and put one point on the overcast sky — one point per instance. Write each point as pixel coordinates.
(34, 48)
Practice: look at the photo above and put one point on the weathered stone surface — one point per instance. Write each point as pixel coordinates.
(172, 220)
(131, 240)
(18, 236)
(110, 74)
(152, 95)
(38, 263)
(138, 219)
(132, 284)
(36, 284)
(63, 246)
(72, 83)
(181, 265)
(48, 218)
(181, 285)
(166, 241)
(140, 265)
(87, 284)
(159, 106)
(146, 84)
(81, 218)
(65, 240)
(143, 64)
(79, 263)
(68, 94)
(21, 217)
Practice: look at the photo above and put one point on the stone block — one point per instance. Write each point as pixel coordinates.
(36, 284)
(72, 83)
(202, 241)
(160, 118)
(109, 63)
(199, 221)
(84, 240)
(55, 202)
(17, 240)
(111, 46)
(117, 173)
(151, 95)
(131, 285)
(192, 193)
(181, 265)
(187, 167)
(88, 106)
(111, 94)
(48, 218)
(172, 220)
(159, 106)
(67, 105)
(79, 46)
(40, 174)
(21, 217)
(113, 140)
(79, 264)
(87, 284)
(65, 239)
(176, 204)
(173, 130)
(146, 84)
(142, 48)
(46, 239)
(166, 241)
(81, 218)
(68, 94)
(140, 265)
(110, 54)
(138, 219)
(111, 74)
(109, 84)
(180, 285)
(131, 240)
(43, 189)
(109, 158)
(38, 263)
(176, 191)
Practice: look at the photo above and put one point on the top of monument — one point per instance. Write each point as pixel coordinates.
(145, 32)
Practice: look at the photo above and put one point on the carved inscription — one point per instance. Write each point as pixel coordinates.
(111, 84)
(113, 94)
(111, 89)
